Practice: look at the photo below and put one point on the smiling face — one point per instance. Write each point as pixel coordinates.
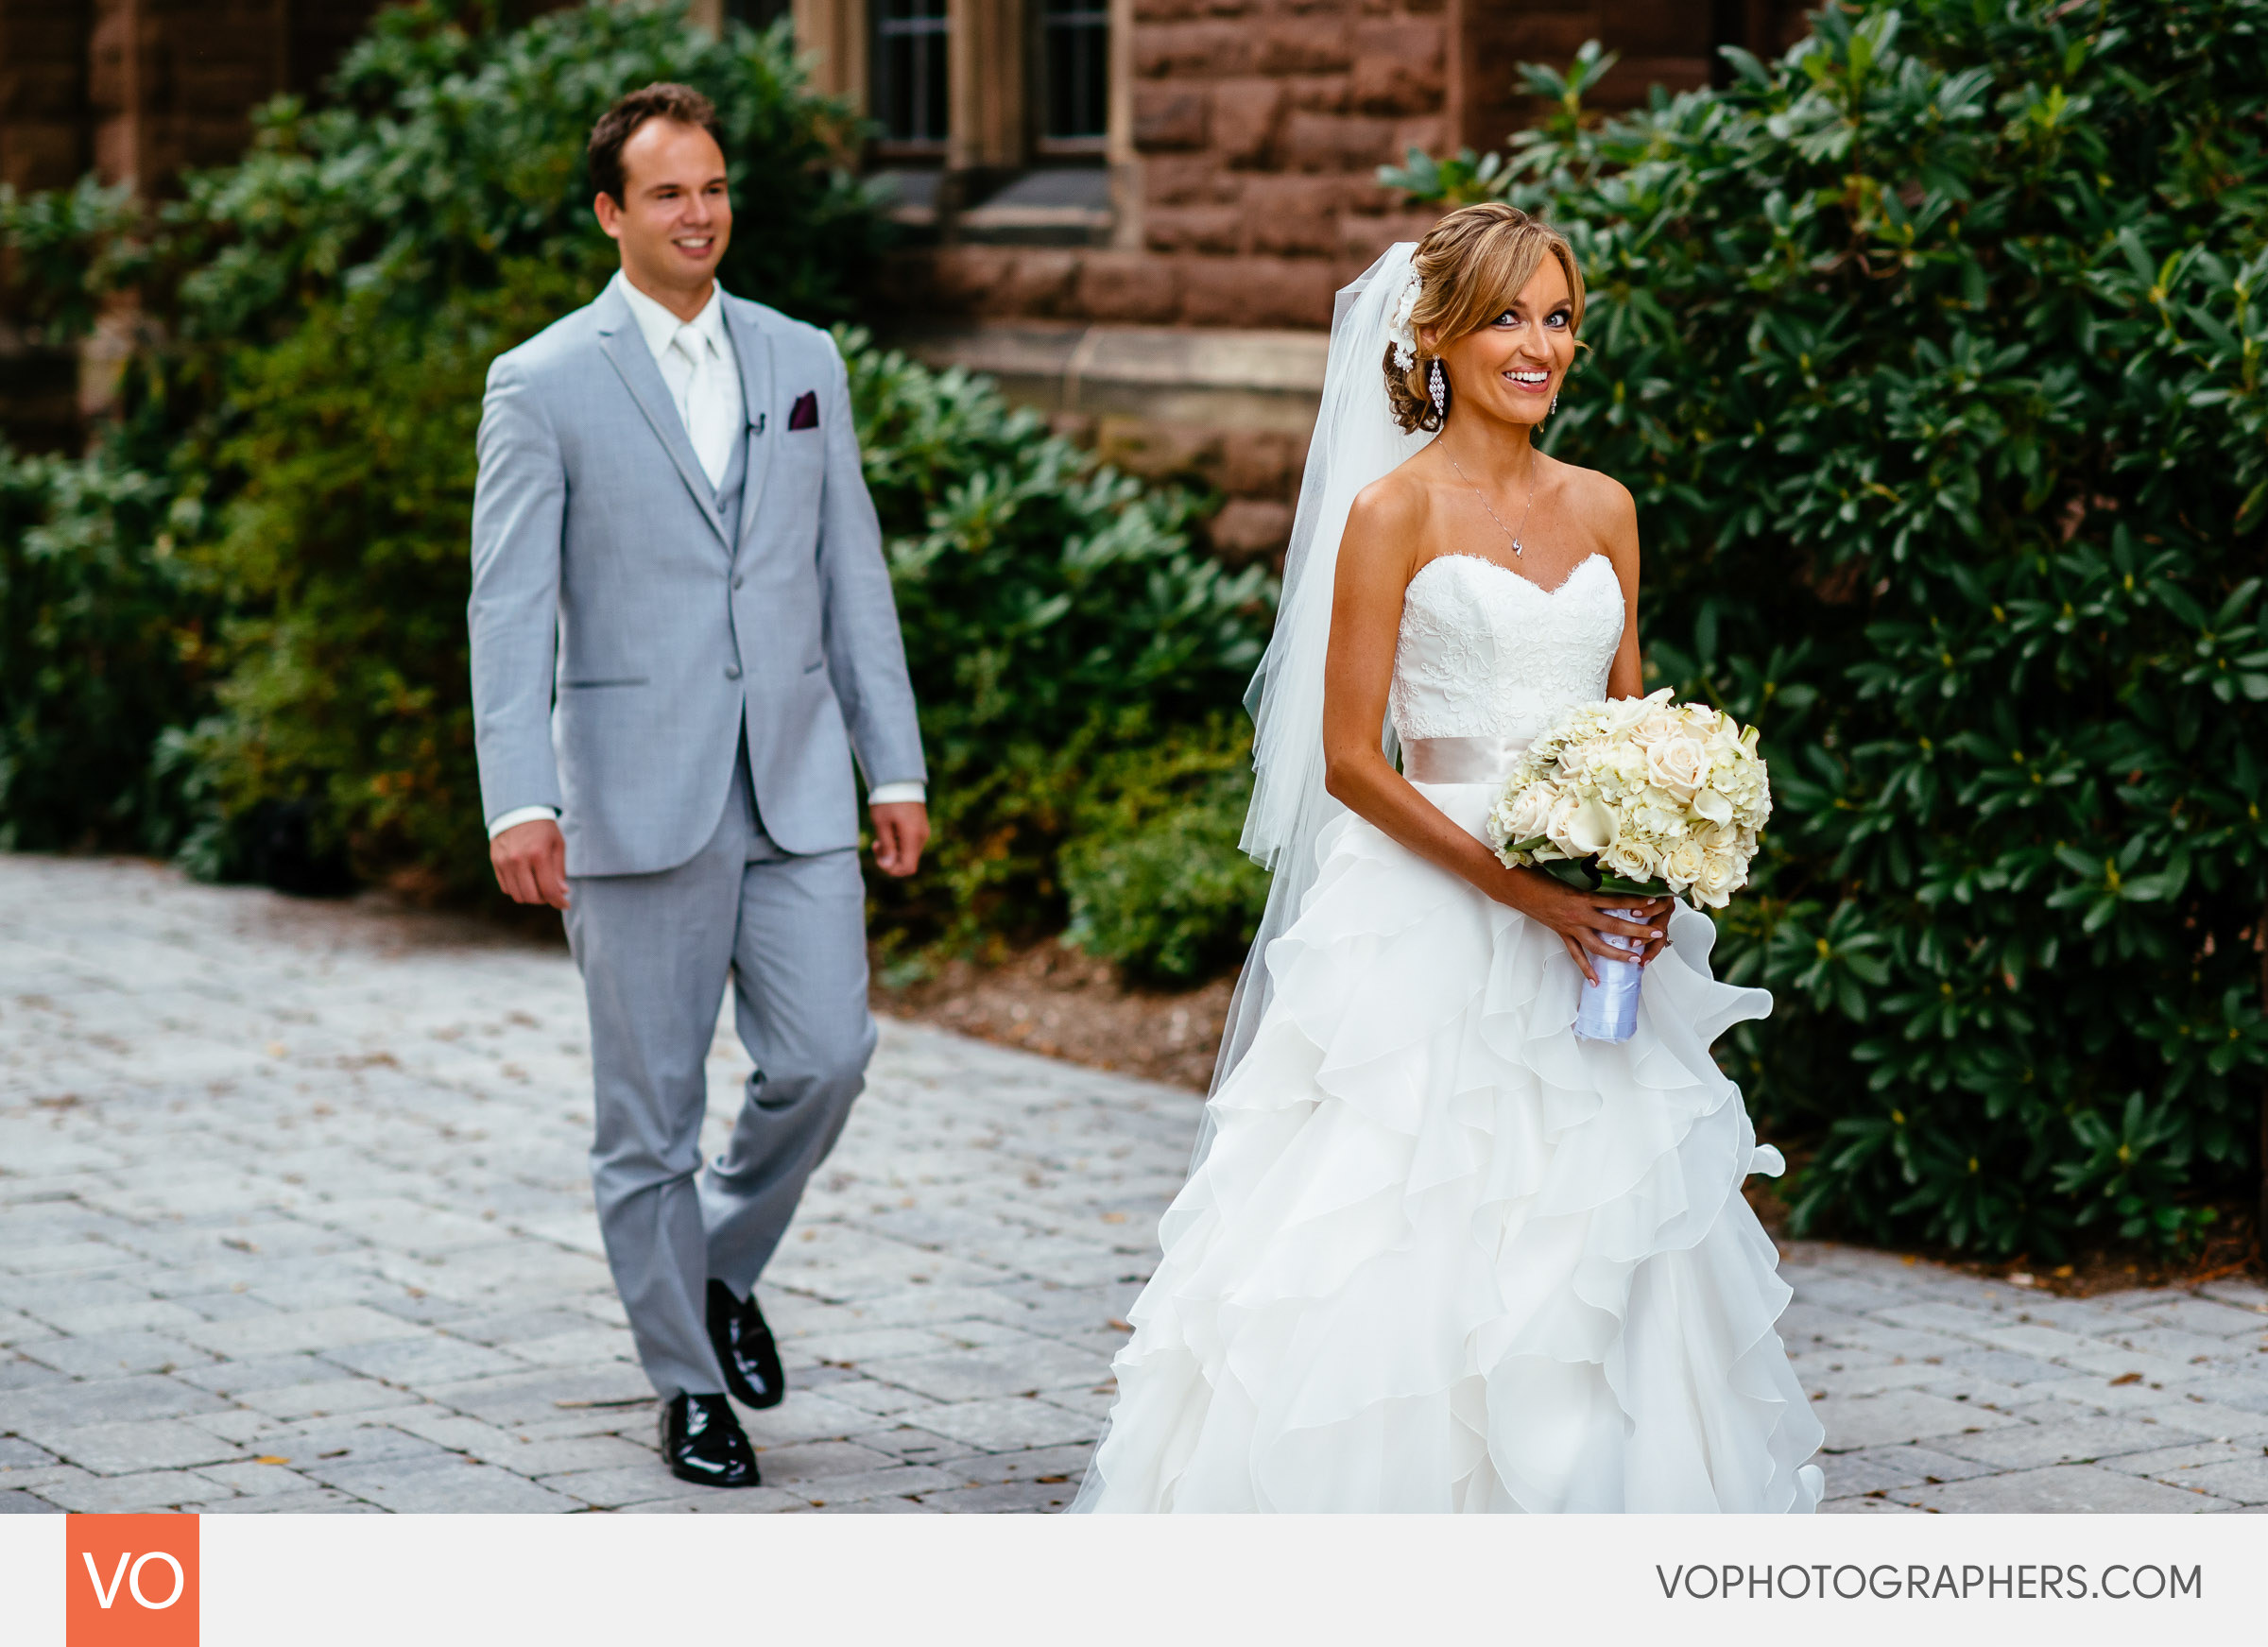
(1511, 367)
(674, 219)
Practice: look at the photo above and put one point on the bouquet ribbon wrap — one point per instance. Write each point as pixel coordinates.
(1608, 1009)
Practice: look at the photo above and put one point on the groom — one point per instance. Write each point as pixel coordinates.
(683, 630)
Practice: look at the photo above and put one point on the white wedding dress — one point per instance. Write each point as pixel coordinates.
(1442, 1255)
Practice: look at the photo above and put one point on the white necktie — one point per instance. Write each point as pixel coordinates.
(699, 398)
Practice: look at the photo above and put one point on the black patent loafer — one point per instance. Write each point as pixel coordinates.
(745, 1349)
(702, 1441)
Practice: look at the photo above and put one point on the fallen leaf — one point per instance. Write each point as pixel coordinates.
(272, 1458)
(2126, 1378)
(1117, 1326)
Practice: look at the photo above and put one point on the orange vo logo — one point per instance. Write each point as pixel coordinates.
(131, 1581)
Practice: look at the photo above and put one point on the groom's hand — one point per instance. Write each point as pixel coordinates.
(900, 830)
(531, 863)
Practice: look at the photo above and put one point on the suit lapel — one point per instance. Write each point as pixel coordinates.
(752, 348)
(624, 344)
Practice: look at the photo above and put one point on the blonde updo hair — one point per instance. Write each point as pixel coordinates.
(1472, 264)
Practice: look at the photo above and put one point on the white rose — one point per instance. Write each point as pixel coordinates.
(1634, 858)
(1680, 765)
(1713, 806)
(1528, 813)
(1681, 866)
(1720, 878)
(1658, 727)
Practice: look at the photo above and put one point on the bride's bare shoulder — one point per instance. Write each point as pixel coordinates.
(1392, 510)
(1602, 500)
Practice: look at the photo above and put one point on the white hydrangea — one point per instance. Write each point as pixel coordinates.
(1657, 792)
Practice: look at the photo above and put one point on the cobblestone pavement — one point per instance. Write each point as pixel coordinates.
(294, 1216)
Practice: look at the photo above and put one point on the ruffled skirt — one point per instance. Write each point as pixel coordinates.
(1444, 1256)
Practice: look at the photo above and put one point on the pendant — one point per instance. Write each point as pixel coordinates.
(1518, 548)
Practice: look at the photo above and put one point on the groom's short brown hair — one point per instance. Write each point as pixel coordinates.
(662, 100)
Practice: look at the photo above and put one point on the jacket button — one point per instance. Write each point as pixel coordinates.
(731, 672)
(738, 581)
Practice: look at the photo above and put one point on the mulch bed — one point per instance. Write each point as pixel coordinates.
(1057, 1001)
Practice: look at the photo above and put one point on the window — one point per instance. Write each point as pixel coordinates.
(909, 72)
(1074, 73)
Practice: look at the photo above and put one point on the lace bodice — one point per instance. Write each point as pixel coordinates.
(1485, 652)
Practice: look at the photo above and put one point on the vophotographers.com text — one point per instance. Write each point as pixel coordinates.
(1886, 1581)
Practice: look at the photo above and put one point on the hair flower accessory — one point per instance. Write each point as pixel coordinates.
(1398, 328)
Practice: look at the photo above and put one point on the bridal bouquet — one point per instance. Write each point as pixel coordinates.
(1641, 795)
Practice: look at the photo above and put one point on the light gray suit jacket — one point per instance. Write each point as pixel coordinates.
(619, 643)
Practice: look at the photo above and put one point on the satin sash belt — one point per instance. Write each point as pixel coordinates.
(1460, 760)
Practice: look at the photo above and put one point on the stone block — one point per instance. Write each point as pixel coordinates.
(1874, 1469)
(274, 1332)
(1033, 1366)
(1169, 117)
(1196, 179)
(317, 1501)
(1262, 464)
(444, 1483)
(867, 1486)
(1247, 116)
(1042, 281)
(1011, 1424)
(624, 1483)
(127, 1448)
(69, 1404)
(1295, 216)
(1398, 66)
(1305, 45)
(113, 1495)
(1200, 229)
(2060, 1488)
(2075, 1441)
(13, 1503)
(1249, 529)
(431, 1358)
(1898, 1416)
(327, 1398)
(1204, 48)
(1336, 142)
(2243, 1480)
(255, 1480)
(1256, 292)
(1005, 1498)
(1114, 286)
(114, 1354)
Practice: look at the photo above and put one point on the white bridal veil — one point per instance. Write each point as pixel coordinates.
(1356, 441)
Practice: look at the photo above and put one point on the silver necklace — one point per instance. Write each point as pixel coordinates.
(1517, 547)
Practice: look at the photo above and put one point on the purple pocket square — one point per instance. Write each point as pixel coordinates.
(804, 414)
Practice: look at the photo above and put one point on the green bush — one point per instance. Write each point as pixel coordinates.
(1933, 353)
(1152, 868)
(1055, 617)
(102, 640)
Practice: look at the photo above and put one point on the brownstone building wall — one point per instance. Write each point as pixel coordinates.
(1257, 128)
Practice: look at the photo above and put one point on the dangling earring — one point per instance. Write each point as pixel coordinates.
(1555, 403)
(1436, 382)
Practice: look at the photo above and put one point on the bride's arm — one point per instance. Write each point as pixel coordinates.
(1376, 560)
(1618, 531)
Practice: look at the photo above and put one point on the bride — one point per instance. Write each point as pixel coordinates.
(1436, 1253)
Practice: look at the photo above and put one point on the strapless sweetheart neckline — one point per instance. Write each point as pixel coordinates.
(1574, 572)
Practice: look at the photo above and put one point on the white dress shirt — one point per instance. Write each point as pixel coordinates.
(702, 371)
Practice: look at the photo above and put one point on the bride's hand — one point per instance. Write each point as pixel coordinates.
(1581, 918)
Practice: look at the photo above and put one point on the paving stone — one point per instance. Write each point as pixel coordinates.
(319, 1502)
(56, 1406)
(2239, 1480)
(1873, 1468)
(1004, 1497)
(169, 1489)
(113, 1354)
(2066, 1487)
(612, 1488)
(2080, 1440)
(1012, 1424)
(428, 1359)
(444, 1481)
(1896, 1415)
(131, 1448)
(22, 1504)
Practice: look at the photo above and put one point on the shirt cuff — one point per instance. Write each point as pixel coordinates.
(519, 815)
(890, 794)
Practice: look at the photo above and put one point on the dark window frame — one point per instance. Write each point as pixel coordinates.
(1082, 28)
(922, 25)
